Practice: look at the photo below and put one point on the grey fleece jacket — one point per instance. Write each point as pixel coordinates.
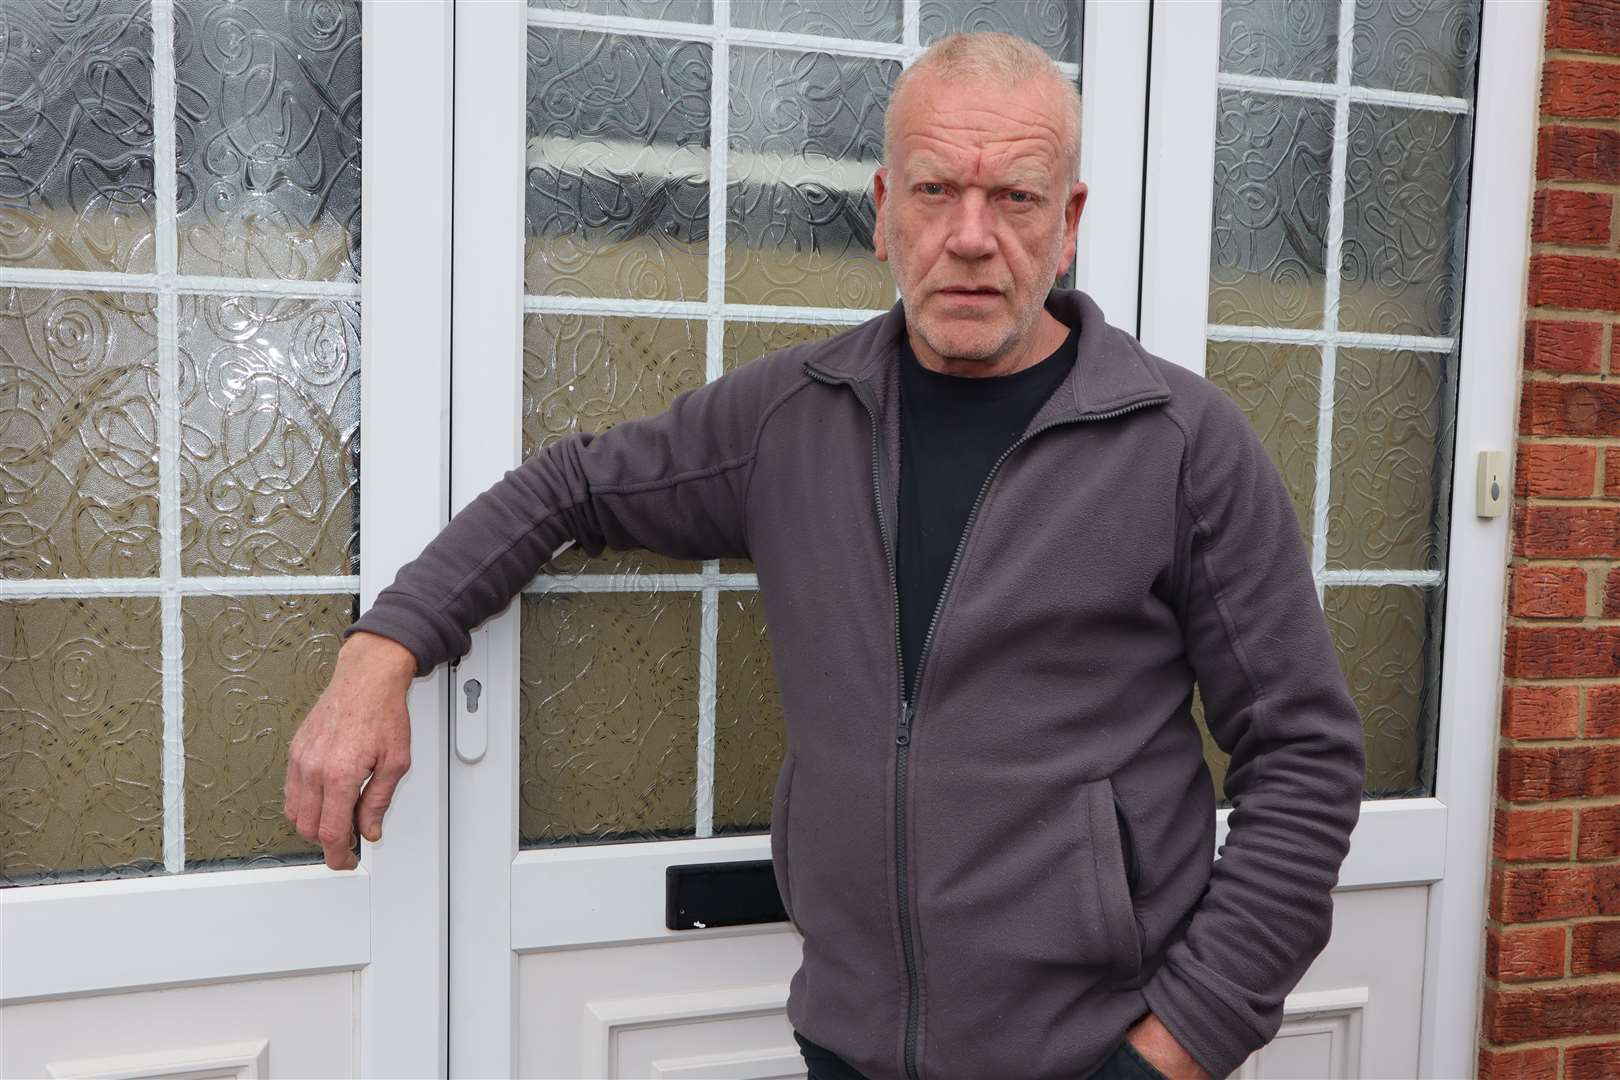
(1000, 877)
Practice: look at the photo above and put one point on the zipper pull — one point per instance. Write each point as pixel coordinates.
(903, 734)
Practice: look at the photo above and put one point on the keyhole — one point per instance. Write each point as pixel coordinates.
(472, 688)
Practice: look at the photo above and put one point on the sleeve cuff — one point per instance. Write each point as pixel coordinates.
(411, 630)
(1210, 1025)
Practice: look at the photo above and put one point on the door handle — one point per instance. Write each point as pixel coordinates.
(471, 701)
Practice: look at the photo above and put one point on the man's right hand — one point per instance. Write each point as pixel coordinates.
(358, 728)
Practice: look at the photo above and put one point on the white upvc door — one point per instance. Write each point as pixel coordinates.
(290, 970)
(646, 674)
(1321, 132)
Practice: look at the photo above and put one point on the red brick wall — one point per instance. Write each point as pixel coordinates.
(1552, 948)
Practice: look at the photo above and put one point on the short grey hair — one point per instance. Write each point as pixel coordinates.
(997, 57)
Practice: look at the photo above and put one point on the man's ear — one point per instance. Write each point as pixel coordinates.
(1071, 224)
(880, 189)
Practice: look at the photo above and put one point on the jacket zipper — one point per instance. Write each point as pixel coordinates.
(908, 702)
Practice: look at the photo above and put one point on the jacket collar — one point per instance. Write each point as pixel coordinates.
(1110, 370)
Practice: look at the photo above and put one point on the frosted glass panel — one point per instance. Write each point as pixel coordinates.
(76, 136)
(806, 136)
(587, 373)
(749, 740)
(616, 183)
(267, 130)
(1279, 388)
(1273, 158)
(876, 20)
(1281, 39)
(270, 418)
(81, 736)
(1390, 655)
(254, 666)
(78, 434)
(607, 717)
(1054, 25)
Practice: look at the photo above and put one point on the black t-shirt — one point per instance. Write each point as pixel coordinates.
(952, 430)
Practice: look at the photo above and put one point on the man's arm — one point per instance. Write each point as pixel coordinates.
(674, 483)
(1276, 700)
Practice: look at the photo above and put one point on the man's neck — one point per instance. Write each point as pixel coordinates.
(1042, 340)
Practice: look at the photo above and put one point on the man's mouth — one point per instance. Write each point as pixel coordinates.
(969, 292)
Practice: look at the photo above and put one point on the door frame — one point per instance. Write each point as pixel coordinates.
(1443, 841)
(385, 920)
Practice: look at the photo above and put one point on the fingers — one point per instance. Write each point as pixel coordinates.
(336, 829)
(379, 792)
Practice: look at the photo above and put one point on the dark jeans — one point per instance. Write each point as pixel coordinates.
(1123, 1063)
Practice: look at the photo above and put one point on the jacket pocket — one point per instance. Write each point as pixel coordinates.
(779, 834)
(1108, 866)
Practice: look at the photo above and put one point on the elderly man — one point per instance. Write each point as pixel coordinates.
(997, 541)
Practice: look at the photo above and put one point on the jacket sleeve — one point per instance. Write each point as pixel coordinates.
(1276, 700)
(673, 483)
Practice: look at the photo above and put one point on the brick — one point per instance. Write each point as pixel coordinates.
(1580, 88)
(1550, 1012)
(1570, 408)
(1519, 834)
(1595, 948)
(1536, 893)
(1599, 833)
(1541, 712)
(1594, 1061)
(1519, 954)
(1540, 1063)
(1603, 712)
(1518, 1064)
(1583, 282)
(1611, 472)
(1584, 25)
(1532, 773)
(1567, 348)
(1554, 470)
(1547, 592)
(1577, 153)
(1562, 652)
(1571, 217)
(1568, 532)
(1611, 593)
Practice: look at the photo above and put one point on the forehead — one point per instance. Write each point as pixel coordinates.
(975, 124)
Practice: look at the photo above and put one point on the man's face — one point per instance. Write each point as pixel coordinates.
(971, 214)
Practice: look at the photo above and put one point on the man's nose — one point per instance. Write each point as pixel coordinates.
(972, 235)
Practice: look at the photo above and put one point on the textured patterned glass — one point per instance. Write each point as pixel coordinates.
(677, 10)
(1054, 25)
(1273, 158)
(270, 416)
(1388, 640)
(78, 434)
(587, 373)
(267, 130)
(616, 183)
(1394, 427)
(749, 737)
(607, 715)
(1405, 221)
(1279, 387)
(1281, 39)
(1418, 46)
(254, 666)
(806, 136)
(81, 739)
(876, 20)
(76, 180)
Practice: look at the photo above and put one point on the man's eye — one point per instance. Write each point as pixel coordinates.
(1021, 197)
(931, 189)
